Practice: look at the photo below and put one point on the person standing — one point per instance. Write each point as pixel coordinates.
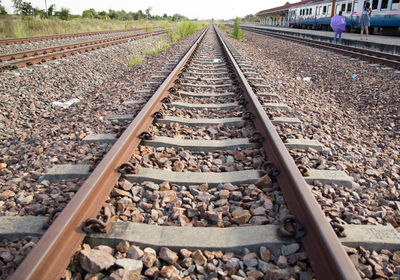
(365, 19)
(338, 24)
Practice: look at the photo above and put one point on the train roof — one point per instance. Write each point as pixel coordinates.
(289, 6)
(284, 7)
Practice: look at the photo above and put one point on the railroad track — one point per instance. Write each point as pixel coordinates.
(238, 147)
(387, 59)
(27, 58)
(6, 42)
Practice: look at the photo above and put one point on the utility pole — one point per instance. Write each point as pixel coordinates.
(47, 11)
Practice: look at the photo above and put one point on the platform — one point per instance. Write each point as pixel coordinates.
(388, 44)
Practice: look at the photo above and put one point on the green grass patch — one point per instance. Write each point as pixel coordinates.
(222, 26)
(144, 48)
(179, 30)
(152, 46)
(237, 31)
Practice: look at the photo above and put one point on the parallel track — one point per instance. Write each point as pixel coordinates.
(27, 58)
(52, 254)
(387, 59)
(6, 42)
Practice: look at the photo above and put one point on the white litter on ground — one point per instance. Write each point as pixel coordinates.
(65, 104)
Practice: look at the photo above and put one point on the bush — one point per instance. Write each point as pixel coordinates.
(222, 26)
(237, 31)
(2, 10)
(64, 14)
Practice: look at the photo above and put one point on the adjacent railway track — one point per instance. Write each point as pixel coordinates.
(211, 73)
(387, 59)
(6, 42)
(27, 58)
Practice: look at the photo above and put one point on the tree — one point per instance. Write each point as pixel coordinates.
(112, 14)
(148, 10)
(91, 13)
(23, 8)
(2, 9)
(64, 14)
(103, 15)
(50, 10)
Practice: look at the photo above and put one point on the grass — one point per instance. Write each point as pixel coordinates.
(237, 31)
(222, 26)
(12, 26)
(182, 29)
(143, 48)
(152, 46)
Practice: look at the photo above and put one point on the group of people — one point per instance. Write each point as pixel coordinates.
(338, 23)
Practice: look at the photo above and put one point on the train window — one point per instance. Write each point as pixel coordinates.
(395, 4)
(324, 10)
(343, 7)
(337, 9)
(310, 11)
(384, 4)
(349, 7)
(375, 4)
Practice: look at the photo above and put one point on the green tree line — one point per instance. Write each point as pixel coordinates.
(26, 9)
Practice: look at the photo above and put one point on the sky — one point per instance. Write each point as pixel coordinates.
(200, 9)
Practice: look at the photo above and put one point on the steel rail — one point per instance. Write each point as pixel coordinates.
(52, 254)
(368, 55)
(60, 36)
(327, 256)
(63, 53)
(30, 53)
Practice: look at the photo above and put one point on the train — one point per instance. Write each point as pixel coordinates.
(385, 14)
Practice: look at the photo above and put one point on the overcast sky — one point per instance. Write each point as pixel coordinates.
(201, 9)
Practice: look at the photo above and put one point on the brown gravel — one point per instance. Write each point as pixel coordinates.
(225, 205)
(127, 261)
(35, 135)
(358, 119)
(13, 252)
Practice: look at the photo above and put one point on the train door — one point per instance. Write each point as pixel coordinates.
(377, 18)
(348, 13)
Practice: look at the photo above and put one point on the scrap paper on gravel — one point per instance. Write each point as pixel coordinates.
(338, 24)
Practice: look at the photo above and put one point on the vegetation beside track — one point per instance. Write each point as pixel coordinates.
(176, 32)
(237, 31)
(13, 26)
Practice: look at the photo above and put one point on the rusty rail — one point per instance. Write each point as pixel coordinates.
(391, 60)
(30, 53)
(328, 257)
(6, 42)
(52, 254)
(70, 50)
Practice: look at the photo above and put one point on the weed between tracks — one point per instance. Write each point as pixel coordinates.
(153, 46)
(143, 48)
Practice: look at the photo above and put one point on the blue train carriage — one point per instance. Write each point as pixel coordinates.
(302, 16)
(315, 15)
(385, 14)
(324, 12)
